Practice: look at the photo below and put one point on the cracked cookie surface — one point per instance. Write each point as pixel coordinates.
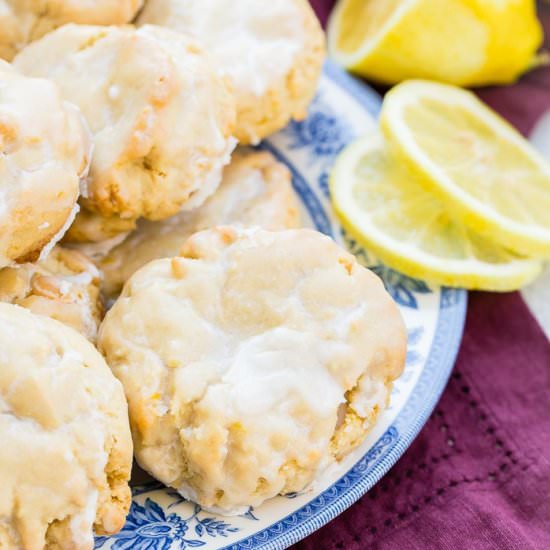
(46, 151)
(256, 190)
(252, 362)
(65, 286)
(160, 116)
(272, 51)
(22, 21)
(66, 450)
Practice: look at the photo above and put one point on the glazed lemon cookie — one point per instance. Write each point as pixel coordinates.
(255, 190)
(45, 151)
(273, 51)
(65, 286)
(161, 118)
(22, 21)
(95, 236)
(66, 450)
(252, 362)
(89, 227)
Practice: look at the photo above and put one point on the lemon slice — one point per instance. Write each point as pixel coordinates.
(495, 182)
(388, 211)
(466, 43)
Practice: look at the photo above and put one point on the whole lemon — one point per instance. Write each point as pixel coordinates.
(462, 42)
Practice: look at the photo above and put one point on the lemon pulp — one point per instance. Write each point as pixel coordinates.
(484, 169)
(387, 209)
(462, 42)
(372, 17)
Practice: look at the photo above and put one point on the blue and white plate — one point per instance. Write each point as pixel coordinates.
(160, 519)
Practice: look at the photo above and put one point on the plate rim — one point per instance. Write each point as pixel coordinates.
(291, 528)
(443, 352)
(367, 469)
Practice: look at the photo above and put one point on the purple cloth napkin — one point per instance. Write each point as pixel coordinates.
(478, 475)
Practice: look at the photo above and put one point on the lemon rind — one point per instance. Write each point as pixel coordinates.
(411, 261)
(353, 60)
(521, 238)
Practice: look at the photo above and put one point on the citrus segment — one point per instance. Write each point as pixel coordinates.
(385, 208)
(490, 175)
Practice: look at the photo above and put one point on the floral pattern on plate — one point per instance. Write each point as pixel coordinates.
(161, 519)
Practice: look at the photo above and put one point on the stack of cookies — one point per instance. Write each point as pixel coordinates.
(242, 354)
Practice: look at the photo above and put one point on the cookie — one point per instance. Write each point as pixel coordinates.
(89, 227)
(45, 152)
(252, 362)
(22, 21)
(96, 251)
(66, 450)
(273, 51)
(256, 189)
(65, 286)
(161, 118)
